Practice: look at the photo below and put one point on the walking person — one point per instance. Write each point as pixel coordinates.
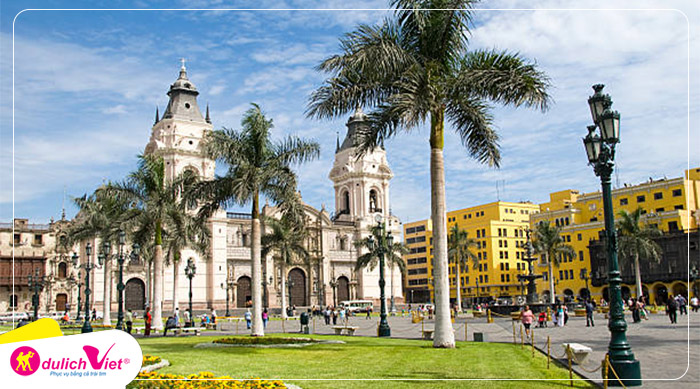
(176, 316)
(527, 317)
(589, 314)
(671, 310)
(265, 318)
(187, 318)
(642, 311)
(129, 321)
(635, 311)
(94, 314)
(694, 303)
(682, 302)
(327, 315)
(369, 313)
(334, 316)
(213, 316)
(147, 318)
(248, 318)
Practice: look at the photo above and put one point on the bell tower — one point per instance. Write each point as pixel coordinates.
(177, 136)
(361, 184)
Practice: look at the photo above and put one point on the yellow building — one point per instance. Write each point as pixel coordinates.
(670, 204)
(499, 229)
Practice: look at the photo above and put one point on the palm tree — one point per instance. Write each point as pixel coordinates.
(100, 217)
(415, 67)
(636, 242)
(287, 240)
(256, 166)
(460, 245)
(152, 196)
(184, 230)
(550, 245)
(370, 259)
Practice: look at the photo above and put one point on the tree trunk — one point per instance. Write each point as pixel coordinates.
(107, 288)
(256, 270)
(157, 306)
(551, 281)
(393, 306)
(637, 276)
(283, 285)
(459, 286)
(444, 336)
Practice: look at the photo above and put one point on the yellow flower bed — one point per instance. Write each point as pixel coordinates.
(150, 360)
(155, 380)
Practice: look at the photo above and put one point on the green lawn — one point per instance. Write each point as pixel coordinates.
(364, 358)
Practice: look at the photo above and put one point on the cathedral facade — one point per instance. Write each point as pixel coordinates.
(361, 186)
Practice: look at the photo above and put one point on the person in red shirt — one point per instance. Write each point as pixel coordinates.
(147, 319)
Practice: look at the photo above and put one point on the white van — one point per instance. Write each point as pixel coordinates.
(357, 306)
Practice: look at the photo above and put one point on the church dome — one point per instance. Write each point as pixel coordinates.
(183, 83)
(358, 116)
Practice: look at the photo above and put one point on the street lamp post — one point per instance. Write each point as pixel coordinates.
(88, 266)
(264, 283)
(290, 285)
(383, 246)
(229, 285)
(36, 284)
(190, 271)
(334, 284)
(600, 150)
(120, 285)
(584, 276)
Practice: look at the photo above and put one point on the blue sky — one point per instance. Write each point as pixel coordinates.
(86, 85)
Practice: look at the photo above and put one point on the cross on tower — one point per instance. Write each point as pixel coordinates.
(182, 60)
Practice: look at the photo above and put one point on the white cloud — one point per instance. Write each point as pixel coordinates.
(117, 109)
(216, 90)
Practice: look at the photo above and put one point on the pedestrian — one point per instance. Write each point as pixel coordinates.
(129, 320)
(682, 302)
(248, 317)
(265, 318)
(565, 311)
(327, 315)
(187, 318)
(369, 313)
(642, 311)
(176, 316)
(334, 316)
(147, 318)
(694, 303)
(636, 318)
(213, 316)
(94, 314)
(555, 316)
(671, 310)
(589, 314)
(527, 317)
(169, 324)
(542, 320)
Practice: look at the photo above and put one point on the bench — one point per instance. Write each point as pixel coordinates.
(180, 330)
(348, 330)
(579, 351)
(139, 330)
(427, 334)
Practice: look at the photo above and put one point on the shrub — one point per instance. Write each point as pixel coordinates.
(155, 380)
(150, 360)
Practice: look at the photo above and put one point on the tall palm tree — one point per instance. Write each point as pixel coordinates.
(286, 240)
(548, 242)
(370, 259)
(412, 68)
(256, 166)
(636, 242)
(184, 230)
(152, 196)
(100, 217)
(460, 245)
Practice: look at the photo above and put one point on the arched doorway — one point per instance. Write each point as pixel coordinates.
(679, 288)
(243, 293)
(343, 289)
(135, 295)
(568, 295)
(61, 300)
(297, 287)
(625, 293)
(660, 294)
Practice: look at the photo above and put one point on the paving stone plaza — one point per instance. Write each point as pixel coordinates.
(664, 350)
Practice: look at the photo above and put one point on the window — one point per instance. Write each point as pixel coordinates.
(502, 266)
(659, 210)
(580, 255)
(484, 255)
(579, 237)
(505, 243)
(17, 239)
(566, 221)
(677, 193)
(658, 196)
(481, 267)
(420, 239)
(571, 274)
(410, 240)
(62, 270)
(13, 301)
(481, 278)
(420, 228)
(478, 233)
(507, 277)
(641, 199)
(623, 201)
(486, 278)
(517, 255)
(500, 254)
(483, 232)
(503, 278)
(486, 267)
(38, 239)
(561, 274)
(679, 206)
(410, 230)
(672, 226)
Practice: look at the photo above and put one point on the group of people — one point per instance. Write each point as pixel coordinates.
(248, 316)
(676, 305)
(423, 310)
